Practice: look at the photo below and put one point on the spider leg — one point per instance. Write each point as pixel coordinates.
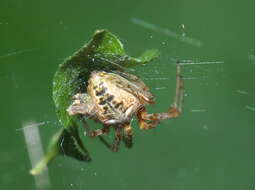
(128, 137)
(117, 140)
(94, 133)
(178, 101)
(98, 133)
(143, 124)
(148, 121)
(105, 142)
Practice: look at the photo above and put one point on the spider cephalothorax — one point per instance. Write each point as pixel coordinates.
(113, 98)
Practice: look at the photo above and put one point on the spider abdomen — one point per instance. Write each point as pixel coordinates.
(112, 96)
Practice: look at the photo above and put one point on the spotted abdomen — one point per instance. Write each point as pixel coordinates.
(112, 97)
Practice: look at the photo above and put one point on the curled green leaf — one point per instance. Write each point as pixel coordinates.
(104, 52)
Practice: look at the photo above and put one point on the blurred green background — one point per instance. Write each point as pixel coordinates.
(211, 146)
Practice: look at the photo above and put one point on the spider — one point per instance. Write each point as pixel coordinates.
(113, 98)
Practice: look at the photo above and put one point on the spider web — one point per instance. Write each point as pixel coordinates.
(195, 71)
(153, 74)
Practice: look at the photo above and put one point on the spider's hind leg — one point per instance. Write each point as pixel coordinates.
(117, 140)
(128, 136)
(115, 146)
(98, 133)
(94, 133)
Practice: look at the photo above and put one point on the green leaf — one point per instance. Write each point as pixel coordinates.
(149, 55)
(104, 52)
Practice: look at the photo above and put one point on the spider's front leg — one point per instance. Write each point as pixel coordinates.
(148, 121)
